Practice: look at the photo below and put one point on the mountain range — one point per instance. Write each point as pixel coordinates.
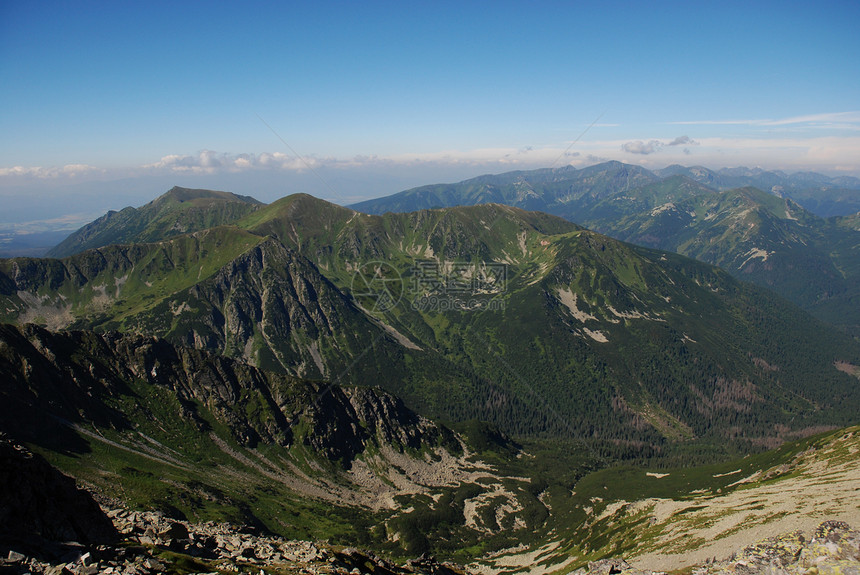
(768, 237)
(631, 348)
(568, 188)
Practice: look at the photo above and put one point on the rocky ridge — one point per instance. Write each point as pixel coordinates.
(834, 547)
(153, 543)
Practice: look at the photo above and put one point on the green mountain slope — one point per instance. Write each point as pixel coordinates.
(585, 323)
(244, 295)
(339, 240)
(643, 199)
(179, 211)
(113, 284)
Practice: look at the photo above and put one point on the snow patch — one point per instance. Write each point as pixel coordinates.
(626, 314)
(727, 474)
(568, 298)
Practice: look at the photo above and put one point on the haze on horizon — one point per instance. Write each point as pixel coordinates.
(109, 104)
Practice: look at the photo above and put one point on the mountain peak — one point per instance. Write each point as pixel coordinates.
(181, 195)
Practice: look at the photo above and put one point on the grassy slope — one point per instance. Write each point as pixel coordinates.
(112, 284)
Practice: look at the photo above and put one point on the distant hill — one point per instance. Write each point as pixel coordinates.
(179, 211)
(822, 195)
(557, 191)
(756, 236)
(565, 191)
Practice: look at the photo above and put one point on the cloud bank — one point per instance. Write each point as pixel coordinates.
(826, 152)
(210, 162)
(67, 171)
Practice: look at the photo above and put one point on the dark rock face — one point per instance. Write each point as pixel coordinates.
(53, 378)
(273, 308)
(38, 503)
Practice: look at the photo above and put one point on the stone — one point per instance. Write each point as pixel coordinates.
(15, 557)
(175, 530)
(608, 566)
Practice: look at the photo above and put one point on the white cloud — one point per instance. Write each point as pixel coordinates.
(654, 146)
(789, 152)
(683, 141)
(643, 148)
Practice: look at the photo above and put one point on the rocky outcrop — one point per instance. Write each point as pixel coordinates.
(77, 376)
(153, 543)
(273, 308)
(833, 548)
(39, 504)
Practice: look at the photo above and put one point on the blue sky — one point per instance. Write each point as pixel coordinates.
(105, 103)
